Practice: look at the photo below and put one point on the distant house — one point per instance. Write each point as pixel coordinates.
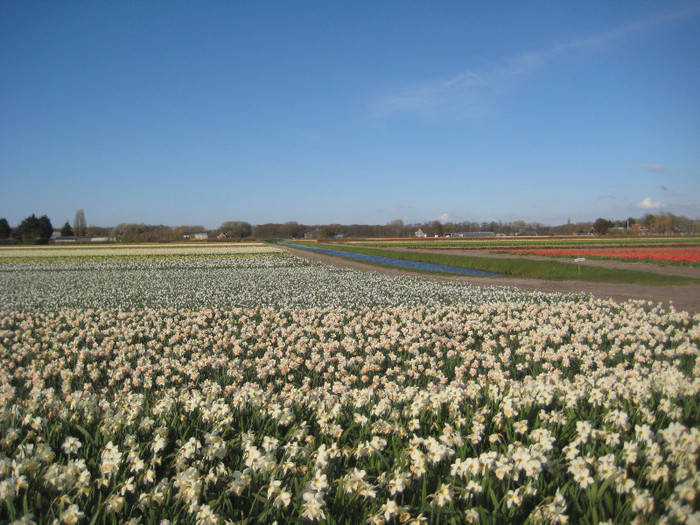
(196, 236)
(639, 228)
(420, 233)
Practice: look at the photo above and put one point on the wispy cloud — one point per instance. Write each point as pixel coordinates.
(470, 92)
(654, 167)
(670, 192)
(648, 204)
(466, 92)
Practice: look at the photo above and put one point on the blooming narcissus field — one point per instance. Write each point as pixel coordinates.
(266, 389)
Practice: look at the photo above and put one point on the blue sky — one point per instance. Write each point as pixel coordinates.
(348, 112)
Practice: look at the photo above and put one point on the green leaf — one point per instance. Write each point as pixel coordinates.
(98, 509)
(607, 499)
(494, 498)
(85, 433)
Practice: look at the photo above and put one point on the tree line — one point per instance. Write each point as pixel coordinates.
(38, 230)
(32, 230)
(662, 223)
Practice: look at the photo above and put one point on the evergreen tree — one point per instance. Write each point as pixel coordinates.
(5, 229)
(601, 226)
(35, 230)
(66, 231)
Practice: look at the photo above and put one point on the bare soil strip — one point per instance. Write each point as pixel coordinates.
(686, 297)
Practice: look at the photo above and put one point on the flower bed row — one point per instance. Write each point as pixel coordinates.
(135, 251)
(225, 282)
(664, 255)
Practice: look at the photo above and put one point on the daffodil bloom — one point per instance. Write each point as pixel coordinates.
(443, 495)
(71, 445)
(72, 515)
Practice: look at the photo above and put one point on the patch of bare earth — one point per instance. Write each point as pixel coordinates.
(685, 297)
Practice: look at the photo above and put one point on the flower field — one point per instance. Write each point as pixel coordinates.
(675, 255)
(263, 388)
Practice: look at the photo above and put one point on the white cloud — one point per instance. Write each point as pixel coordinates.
(648, 204)
(445, 217)
(654, 167)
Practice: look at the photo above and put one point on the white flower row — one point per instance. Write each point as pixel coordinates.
(136, 250)
(226, 283)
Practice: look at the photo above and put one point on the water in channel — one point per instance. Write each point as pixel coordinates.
(399, 263)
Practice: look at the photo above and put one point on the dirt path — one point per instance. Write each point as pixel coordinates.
(685, 297)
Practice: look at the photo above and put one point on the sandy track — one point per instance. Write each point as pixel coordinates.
(685, 297)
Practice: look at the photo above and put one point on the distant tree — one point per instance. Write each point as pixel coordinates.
(129, 232)
(647, 220)
(518, 227)
(268, 231)
(235, 229)
(35, 230)
(662, 223)
(97, 231)
(396, 228)
(293, 230)
(449, 227)
(682, 224)
(5, 229)
(601, 226)
(126, 228)
(325, 232)
(66, 231)
(79, 226)
(434, 228)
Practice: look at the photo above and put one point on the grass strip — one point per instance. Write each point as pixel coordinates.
(525, 268)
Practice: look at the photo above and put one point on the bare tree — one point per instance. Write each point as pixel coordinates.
(79, 226)
(395, 227)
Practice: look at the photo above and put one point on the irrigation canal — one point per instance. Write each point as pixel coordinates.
(398, 263)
